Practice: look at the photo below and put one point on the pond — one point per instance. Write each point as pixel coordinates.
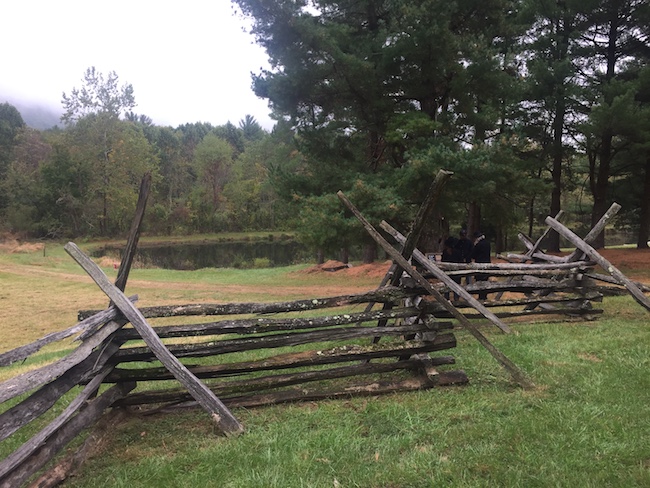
(240, 254)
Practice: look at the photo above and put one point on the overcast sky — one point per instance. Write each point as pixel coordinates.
(188, 61)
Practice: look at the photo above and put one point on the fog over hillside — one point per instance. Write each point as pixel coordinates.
(36, 115)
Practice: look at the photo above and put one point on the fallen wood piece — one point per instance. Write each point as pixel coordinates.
(515, 267)
(427, 366)
(546, 232)
(90, 323)
(530, 245)
(92, 444)
(287, 361)
(434, 308)
(396, 271)
(24, 451)
(515, 274)
(371, 388)
(428, 265)
(264, 325)
(594, 232)
(610, 279)
(518, 376)
(226, 346)
(535, 247)
(522, 313)
(609, 267)
(385, 294)
(542, 256)
(42, 400)
(257, 385)
(92, 411)
(220, 415)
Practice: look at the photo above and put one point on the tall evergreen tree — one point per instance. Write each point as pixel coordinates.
(615, 37)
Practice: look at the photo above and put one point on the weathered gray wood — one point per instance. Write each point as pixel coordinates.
(542, 256)
(360, 389)
(134, 234)
(265, 342)
(264, 325)
(434, 308)
(515, 268)
(517, 374)
(33, 379)
(287, 361)
(535, 247)
(43, 399)
(610, 279)
(222, 417)
(422, 216)
(606, 265)
(101, 431)
(546, 232)
(514, 274)
(571, 311)
(90, 323)
(430, 266)
(260, 384)
(371, 388)
(594, 232)
(528, 243)
(395, 272)
(92, 411)
(23, 452)
(386, 294)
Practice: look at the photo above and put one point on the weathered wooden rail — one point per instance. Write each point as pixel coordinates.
(391, 339)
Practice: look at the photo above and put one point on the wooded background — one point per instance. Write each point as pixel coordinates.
(536, 106)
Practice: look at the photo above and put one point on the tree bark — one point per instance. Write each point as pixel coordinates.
(644, 205)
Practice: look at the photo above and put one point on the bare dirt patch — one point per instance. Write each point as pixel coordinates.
(376, 270)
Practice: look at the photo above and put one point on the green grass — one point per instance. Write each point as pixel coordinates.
(585, 425)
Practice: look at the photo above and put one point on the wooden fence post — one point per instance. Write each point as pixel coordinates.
(222, 417)
(517, 374)
(593, 254)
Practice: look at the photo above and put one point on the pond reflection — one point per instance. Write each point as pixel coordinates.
(245, 254)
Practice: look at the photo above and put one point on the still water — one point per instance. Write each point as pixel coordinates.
(216, 255)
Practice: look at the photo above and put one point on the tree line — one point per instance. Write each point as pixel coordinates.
(535, 105)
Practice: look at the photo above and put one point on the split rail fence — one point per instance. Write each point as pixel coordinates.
(252, 354)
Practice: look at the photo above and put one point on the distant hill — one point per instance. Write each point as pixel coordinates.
(36, 115)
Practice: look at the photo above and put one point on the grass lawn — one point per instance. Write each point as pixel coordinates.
(587, 424)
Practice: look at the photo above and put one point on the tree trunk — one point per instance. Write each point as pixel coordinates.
(600, 176)
(344, 256)
(644, 218)
(600, 187)
(500, 243)
(369, 253)
(556, 194)
(473, 219)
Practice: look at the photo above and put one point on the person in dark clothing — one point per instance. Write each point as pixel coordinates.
(481, 249)
(481, 254)
(463, 248)
(448, 250)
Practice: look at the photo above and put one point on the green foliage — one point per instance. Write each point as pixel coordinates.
(11, 123)
(98, 95)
